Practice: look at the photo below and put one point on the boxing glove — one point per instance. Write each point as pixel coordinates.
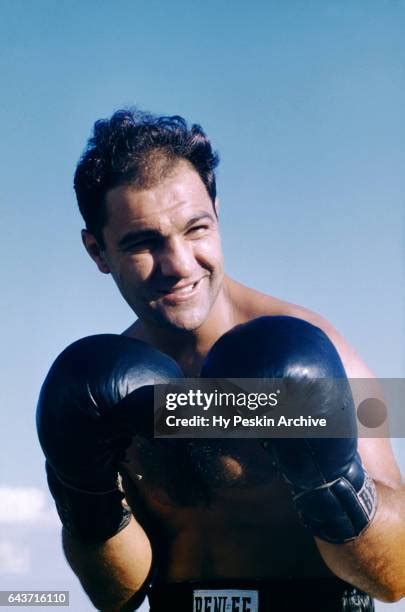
(96, 396)
(332, 492)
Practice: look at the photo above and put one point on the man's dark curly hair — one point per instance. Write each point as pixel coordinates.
(137, 148)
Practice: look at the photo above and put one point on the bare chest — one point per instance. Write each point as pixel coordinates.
(218, 508)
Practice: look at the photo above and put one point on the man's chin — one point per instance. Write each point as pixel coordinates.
(184, 326)
(183, 322)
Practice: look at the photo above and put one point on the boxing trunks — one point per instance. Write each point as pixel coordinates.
(278, 595)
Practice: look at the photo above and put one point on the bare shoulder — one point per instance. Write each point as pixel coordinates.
(376, 453)
(354, 365)
(260, 304)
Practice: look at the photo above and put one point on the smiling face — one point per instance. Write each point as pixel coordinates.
(163, 249)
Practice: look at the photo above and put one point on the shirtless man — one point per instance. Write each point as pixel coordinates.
(209, 523)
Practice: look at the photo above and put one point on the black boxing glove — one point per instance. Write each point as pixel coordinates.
(97, 394)
(333, 494)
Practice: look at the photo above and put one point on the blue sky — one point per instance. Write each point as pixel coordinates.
(304, 101)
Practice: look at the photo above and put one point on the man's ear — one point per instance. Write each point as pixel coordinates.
(216, 206)
(95, 251)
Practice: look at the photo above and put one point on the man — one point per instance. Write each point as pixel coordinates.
(213, 525)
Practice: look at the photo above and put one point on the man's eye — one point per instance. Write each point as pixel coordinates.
(197, 230)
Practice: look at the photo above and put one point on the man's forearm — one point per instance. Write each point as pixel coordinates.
(375, 561)
(112, 572)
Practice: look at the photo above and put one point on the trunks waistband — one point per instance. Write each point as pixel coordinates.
(278, 595)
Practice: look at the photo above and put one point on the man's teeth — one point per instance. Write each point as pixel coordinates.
(185, 290)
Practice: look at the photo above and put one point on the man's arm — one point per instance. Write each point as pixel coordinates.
(375, 561)
(113, 573)
(98, 395)
(361, 536)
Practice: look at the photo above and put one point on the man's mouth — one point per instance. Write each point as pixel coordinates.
(181, 292)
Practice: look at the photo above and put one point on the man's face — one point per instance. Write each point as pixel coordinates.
(163, 249)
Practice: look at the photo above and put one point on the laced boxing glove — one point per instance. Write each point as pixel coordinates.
(97, 394)
(332, 492)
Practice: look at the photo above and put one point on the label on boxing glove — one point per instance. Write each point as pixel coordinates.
(368, 496)
(225, 600)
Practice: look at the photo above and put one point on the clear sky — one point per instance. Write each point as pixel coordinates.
(305, 102)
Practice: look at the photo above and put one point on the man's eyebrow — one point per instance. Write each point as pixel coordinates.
(137, 235)
(196, 218)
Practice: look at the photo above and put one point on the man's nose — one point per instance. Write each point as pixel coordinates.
(177, 259)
